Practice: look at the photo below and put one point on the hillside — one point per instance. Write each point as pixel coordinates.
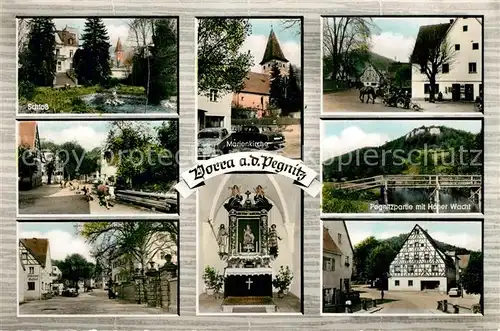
(380, 62)
(424, 150)
(397, 241)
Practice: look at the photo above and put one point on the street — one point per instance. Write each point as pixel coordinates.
(92, 303)
(348, 101)
(415, 302)
(52, 199)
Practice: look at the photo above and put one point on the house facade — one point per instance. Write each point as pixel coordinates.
(461, 79)
(371, 76)
(337, 261)
(30, 176)
(66, 46)
(214, 110)
(37, 268)
(255, 94)
(420, 265)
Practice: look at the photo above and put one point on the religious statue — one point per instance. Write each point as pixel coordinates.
(273, 241)
(222, 239)
(259, 197)
(248, 238)
(236, 197)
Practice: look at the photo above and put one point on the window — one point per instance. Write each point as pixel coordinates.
(347, 261)
(31, 286)
(410, 283)
(421, 245)
(427, 88)
(407, 257)
(475, 45)
(465, 28)
(242, 98)
(416, 244)
(396, 283)
(426, 256)
(417, 256)
(213, 95)
(328, 264)
(457, 47)
(70, 53)
(57, 52)
(339, 236)
(410, 269)
(397, 269)
(25, 256)
(472, 68)
(434, 268)
(32, 270)
(446, 68)
(70, 41)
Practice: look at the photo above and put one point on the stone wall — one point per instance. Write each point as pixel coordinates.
(161, 287)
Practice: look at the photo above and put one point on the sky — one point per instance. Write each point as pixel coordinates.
(461, 234)
(290, 41)
(394, 38)
(340, 137)
(63, 239)
(117, 27)
(89, 134)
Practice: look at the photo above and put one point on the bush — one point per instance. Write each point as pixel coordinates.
(27, 90)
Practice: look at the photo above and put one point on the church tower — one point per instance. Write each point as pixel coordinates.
(273, 54)
(119, 53)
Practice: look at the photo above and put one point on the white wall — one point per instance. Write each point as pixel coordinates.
(403, 283)
(68, 52)
(222, 107)
(459, 68)
(285, 213)
(334, 228)
(370, 77)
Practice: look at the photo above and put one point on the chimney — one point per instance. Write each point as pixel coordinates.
(451, 21)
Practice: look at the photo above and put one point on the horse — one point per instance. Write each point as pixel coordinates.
(367, 90)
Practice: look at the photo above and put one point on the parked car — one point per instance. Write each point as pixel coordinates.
(455, 292)
(70, 292)
(254, 137)
(213, 142)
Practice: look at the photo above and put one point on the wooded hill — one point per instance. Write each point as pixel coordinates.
(419, 152)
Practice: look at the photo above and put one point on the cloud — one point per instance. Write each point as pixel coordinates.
(350, 139)
(256, 44)
(62, 243)
(393, 46)
(86, 136)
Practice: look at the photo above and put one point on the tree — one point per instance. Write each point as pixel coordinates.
(472, 277)
(343, 35)
(91, 162)
(93, 65)
(38, 61)
(294, 98)
(140, 241)
(432, 51)
(70, 154)
(379, 261)
(294, 24)
(276, 95)
(361, 254)
(163, 83)
(75, 268)
(221, 65)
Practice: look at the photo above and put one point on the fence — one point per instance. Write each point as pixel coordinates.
(364, 304)
(160, 286)
(446, 307)
(158, 201)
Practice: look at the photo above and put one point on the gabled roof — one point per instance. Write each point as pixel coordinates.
(27, 134)
(257, 83)
(329, 245)
(38, 247)
(436, 32)
(273, 50)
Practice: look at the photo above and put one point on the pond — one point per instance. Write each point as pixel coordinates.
(123, 103)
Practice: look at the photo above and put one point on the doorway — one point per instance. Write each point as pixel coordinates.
(455, 92)
(429, 285)
(469, 92)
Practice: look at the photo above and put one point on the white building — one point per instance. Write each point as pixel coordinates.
(159, 246)
(421, 265)
(66, 46)
(371, 76)
(461, 79)
(214, 110)
(337, 261)
(36, 264)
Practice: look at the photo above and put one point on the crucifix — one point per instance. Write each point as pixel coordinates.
(249, 282)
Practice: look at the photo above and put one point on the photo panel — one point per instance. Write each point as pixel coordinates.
(250, 86)
(402, 267)
(97, 65)
(97, 168)
(413, 64)
(417, 166)
(98, 268)
(250, 245)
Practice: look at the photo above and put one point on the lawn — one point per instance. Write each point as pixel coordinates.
(69, 101)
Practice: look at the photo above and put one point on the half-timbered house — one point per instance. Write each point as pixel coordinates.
(421, 265)
(36, 265)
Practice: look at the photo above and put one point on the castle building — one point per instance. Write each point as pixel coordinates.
(66, 46)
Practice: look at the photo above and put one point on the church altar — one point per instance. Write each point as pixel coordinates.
(244, 282)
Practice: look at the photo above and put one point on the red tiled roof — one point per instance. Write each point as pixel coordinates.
(38, 247)
(328, 244)
(27, 134)
(257, 83)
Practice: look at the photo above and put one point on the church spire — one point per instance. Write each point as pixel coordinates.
(273, 49)
(119, 47)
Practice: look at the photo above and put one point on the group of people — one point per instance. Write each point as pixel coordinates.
(104, 192)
